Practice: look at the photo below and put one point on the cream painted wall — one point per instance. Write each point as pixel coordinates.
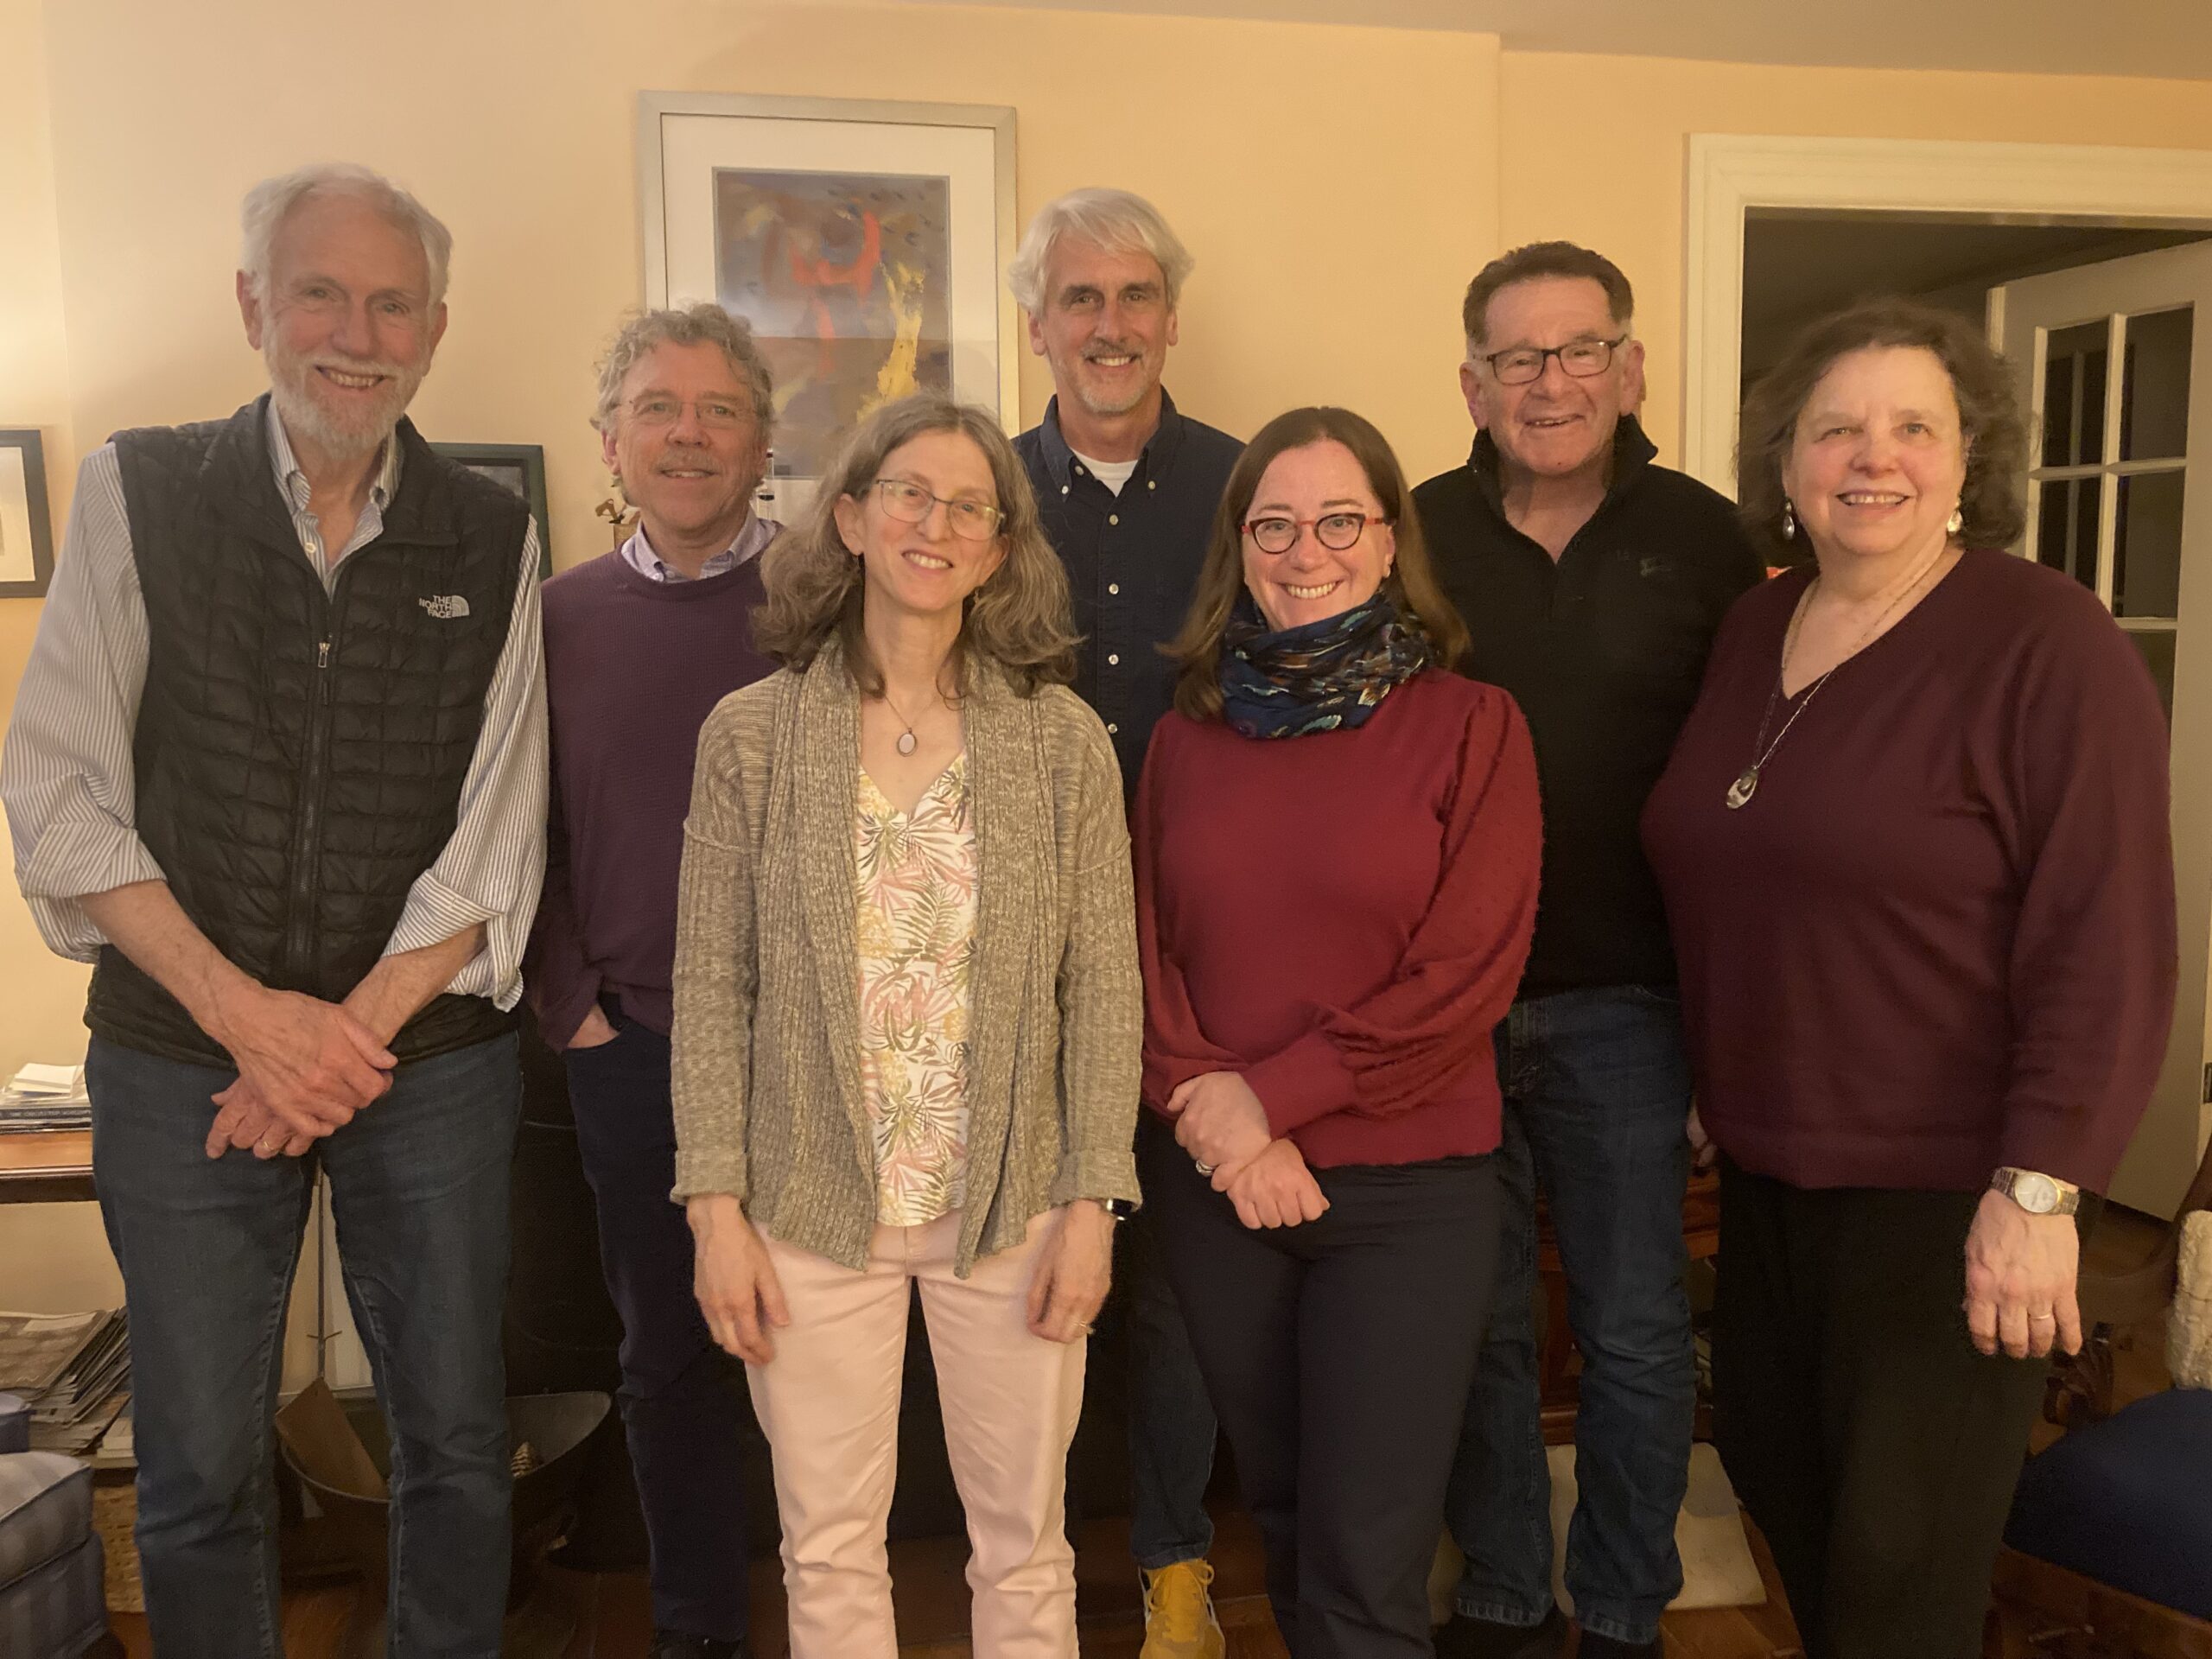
(52, 1257)
(519, 131)
(1596, 149)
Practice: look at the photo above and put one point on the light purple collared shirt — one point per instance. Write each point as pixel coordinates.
(756, 534)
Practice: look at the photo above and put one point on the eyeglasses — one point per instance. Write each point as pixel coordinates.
(910, 503)
(1337, 531)
(715, 412)
(1580, 357)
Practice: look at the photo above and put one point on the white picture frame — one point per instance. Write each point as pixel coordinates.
(865, 242)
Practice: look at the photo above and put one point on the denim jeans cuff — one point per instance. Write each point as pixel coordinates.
(1159, 1561)
(1497, 1612)
(1635, 1632)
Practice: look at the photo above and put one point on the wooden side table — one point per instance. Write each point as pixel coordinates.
(46, 1167)
(1559, 1366)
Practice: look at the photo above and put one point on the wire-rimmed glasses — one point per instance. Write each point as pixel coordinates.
(910, 503)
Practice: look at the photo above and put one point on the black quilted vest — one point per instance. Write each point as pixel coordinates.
(299, 754)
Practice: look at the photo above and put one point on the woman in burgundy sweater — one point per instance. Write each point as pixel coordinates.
(1337, 846)
(1914, 846)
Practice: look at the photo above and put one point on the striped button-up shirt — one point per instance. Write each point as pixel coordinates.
(69, 785)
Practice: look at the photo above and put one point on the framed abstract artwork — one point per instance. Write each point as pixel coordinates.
(519, 467)
(26, 526)
(866, 243)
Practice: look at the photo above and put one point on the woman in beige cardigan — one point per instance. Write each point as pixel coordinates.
(907, 1023)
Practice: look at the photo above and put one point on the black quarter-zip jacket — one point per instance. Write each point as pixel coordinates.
(1604, 650)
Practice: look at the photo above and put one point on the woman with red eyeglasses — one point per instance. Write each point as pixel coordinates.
(1336, 843)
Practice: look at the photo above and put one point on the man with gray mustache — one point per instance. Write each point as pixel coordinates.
(1127, 485)
(277, 769)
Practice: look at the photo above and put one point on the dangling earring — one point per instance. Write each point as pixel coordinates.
(1789, 520)
(1957, 518)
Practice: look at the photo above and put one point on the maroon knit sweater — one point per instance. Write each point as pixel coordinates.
(633, 669)
(1940, 939)
(1343, 918)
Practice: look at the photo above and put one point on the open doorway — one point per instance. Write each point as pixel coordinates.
(1800, 264)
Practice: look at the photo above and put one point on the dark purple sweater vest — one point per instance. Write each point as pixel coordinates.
(633, 669)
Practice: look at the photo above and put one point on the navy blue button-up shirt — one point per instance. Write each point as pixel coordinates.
(1132, 560)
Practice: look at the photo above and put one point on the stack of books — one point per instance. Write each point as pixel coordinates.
(73, 1369)
(46, 1097)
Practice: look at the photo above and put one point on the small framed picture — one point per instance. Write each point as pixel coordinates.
(26, 526)
(519, 467)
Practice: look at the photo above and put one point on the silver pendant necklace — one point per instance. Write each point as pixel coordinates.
(1746, 782)
(907, 742)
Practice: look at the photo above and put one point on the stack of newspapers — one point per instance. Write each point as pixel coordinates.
(74, 1371)
(46, 1097)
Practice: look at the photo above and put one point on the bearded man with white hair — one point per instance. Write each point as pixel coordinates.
(277, 770)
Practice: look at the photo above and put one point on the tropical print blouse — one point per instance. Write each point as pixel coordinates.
(916, 928)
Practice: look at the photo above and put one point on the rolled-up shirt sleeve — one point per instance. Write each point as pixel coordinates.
(67, 776)
(492, 868)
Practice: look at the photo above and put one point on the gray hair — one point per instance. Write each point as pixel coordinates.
(703, 324)
(1119, 220)
(271, 202)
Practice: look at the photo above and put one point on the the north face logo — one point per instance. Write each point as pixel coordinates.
(445, 607)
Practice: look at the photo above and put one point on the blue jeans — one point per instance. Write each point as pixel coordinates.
(1596, 1091)
(1172, 1426)
(208, 1248)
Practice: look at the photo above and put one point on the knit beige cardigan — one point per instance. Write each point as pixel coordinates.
(767, 1064)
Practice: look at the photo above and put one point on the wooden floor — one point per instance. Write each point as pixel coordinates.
(613, 1619)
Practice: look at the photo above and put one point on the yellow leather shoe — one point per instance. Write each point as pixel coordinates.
(1179, 1621)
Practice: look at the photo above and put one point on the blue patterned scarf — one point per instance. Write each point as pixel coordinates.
(1322, 676)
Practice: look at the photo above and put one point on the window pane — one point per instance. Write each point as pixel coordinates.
(2154, 392)
(2074, 395)
(2146, 546)
(2066, 527)
(2156, 646)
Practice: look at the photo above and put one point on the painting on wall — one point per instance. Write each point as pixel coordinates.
(26, 527)
(844, 277)
(519, 468)
(866, 243)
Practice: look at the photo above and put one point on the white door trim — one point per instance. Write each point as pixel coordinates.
(1730, 174)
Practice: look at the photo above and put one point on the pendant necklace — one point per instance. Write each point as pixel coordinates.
(907, 742)
(1747, 781)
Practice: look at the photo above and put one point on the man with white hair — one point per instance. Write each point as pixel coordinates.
(640, 644)
(277, 769)
(1127, 485)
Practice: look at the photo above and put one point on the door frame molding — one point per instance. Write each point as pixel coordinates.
(1731, 174)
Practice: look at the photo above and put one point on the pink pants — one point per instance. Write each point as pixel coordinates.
(829, 1404)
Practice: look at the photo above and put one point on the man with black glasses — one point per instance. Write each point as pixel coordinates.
(1592, 581)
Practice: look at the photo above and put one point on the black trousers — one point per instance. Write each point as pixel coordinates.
(683, 1407)
(1339, 1355)
(1875, 1447)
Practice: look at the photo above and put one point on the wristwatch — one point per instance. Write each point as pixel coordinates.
(2037, 1193)
(1120, 1209)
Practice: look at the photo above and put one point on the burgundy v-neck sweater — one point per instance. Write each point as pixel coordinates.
(633, 669)
(1940, 936)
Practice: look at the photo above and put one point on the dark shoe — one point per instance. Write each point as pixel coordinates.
(1606, 1647)
(675, 1644)
(1485, 1638)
